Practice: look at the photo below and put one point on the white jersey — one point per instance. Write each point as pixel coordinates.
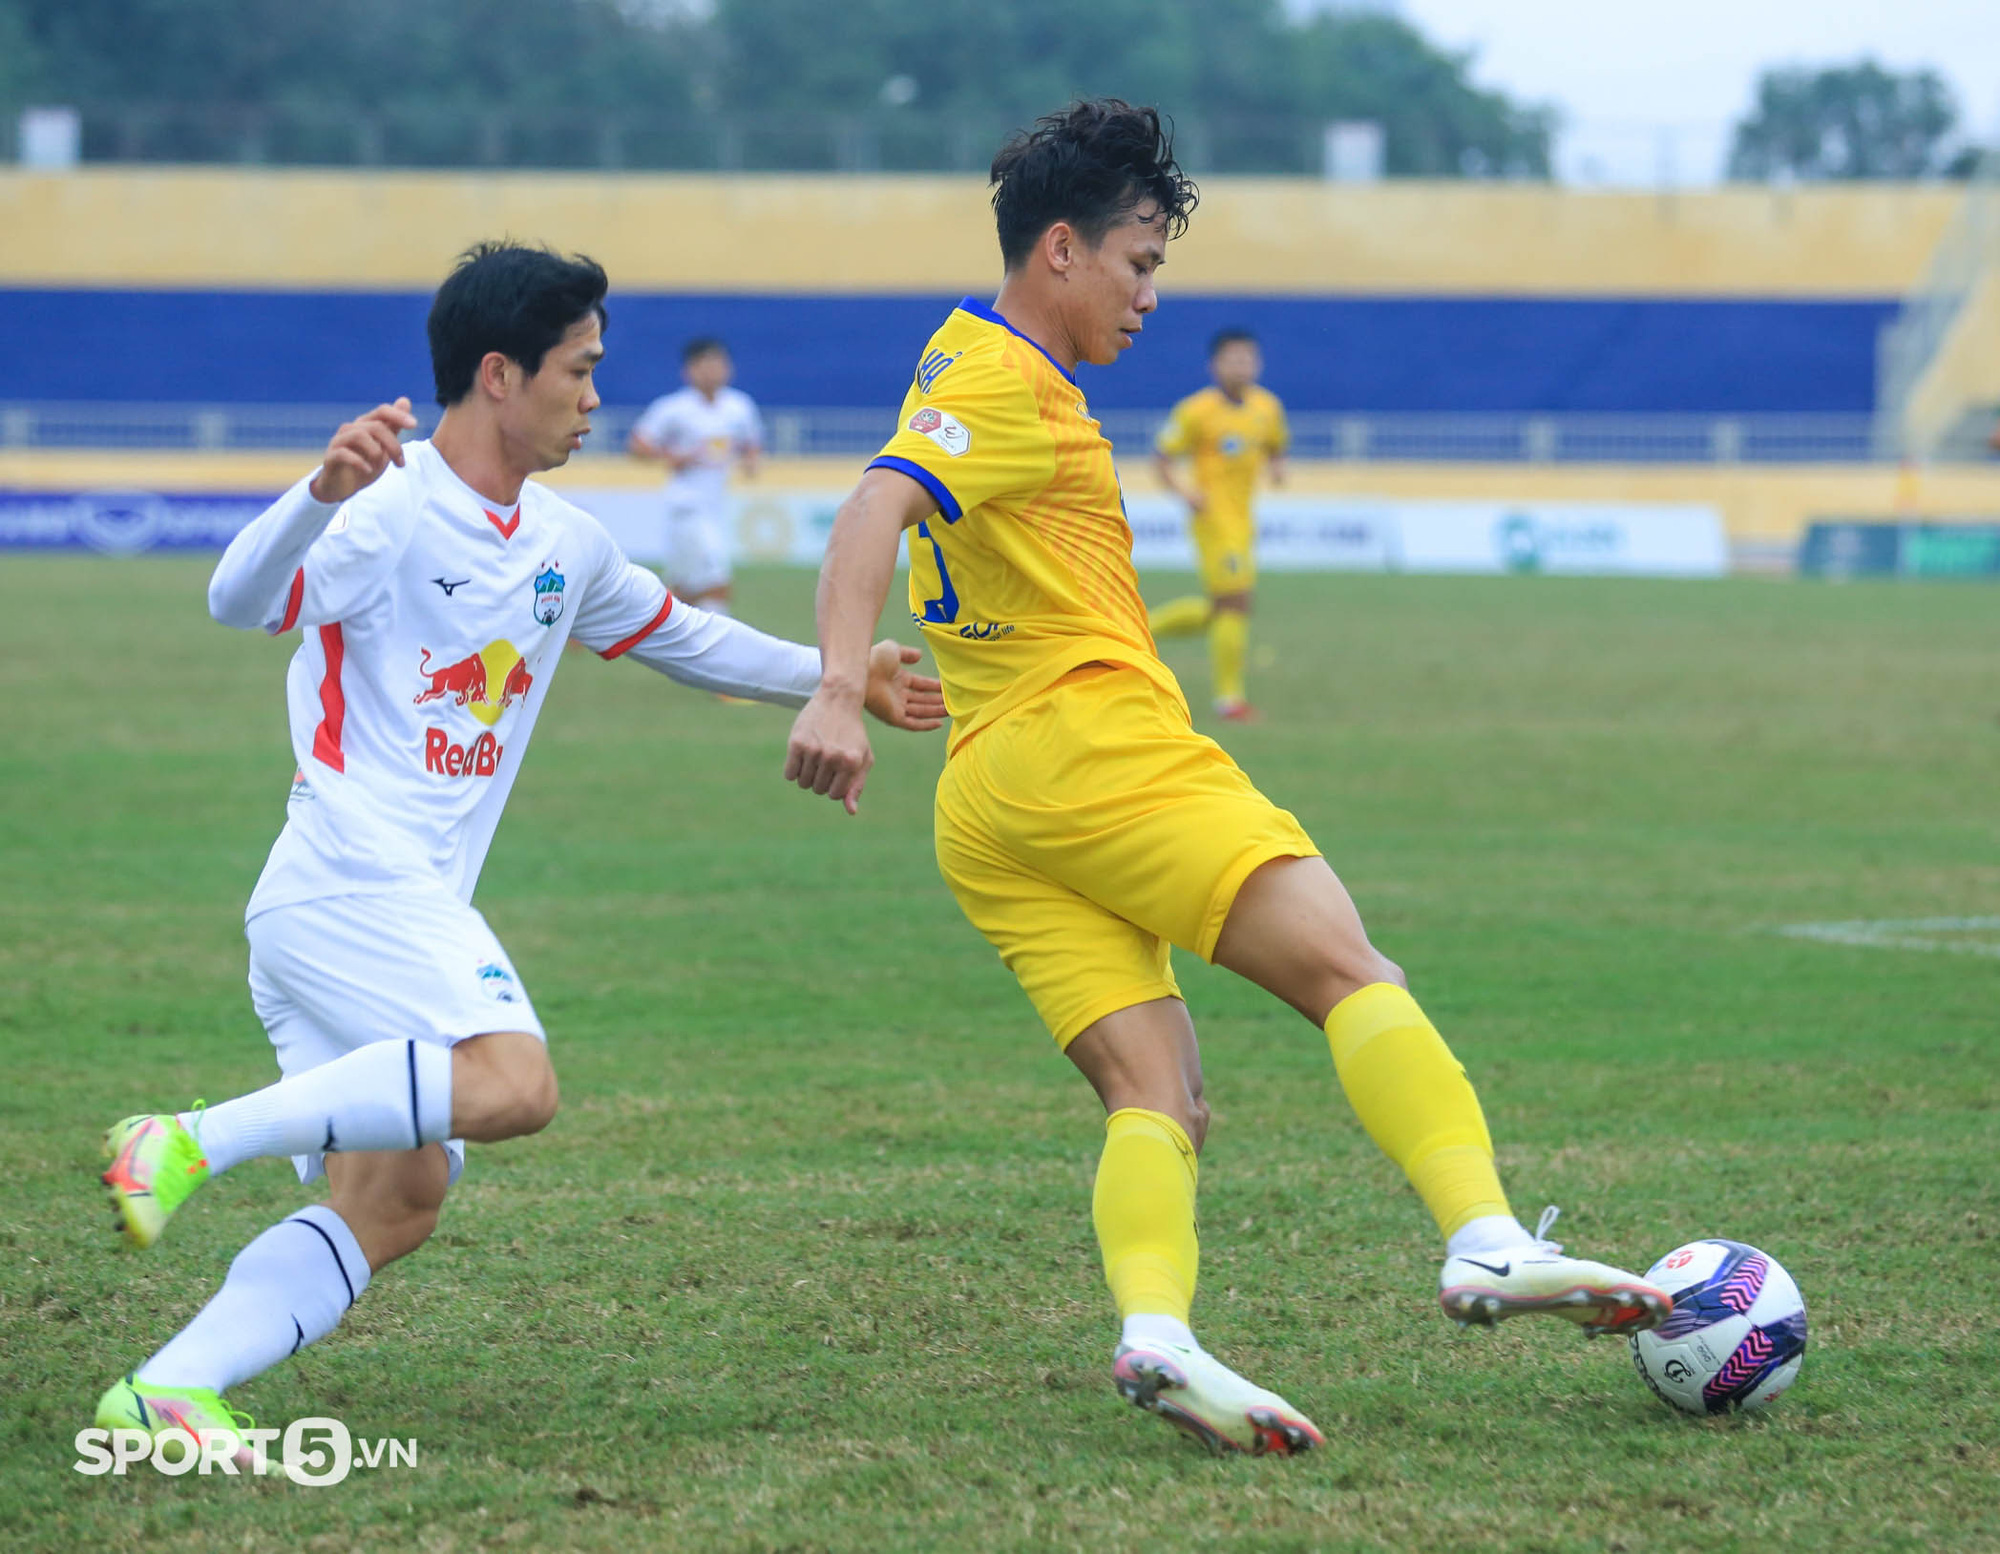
(715, 432)
(435, 621)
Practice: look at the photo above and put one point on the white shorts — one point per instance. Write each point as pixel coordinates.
(697, 549)
(331, 975)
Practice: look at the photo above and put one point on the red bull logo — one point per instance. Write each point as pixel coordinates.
(448, 758)
(470, 682)
(466, 679)
(485, 684)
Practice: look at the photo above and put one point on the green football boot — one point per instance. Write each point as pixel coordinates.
(139, 1405)
(155, 1164)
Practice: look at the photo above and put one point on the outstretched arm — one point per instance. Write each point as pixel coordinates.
(718, 653)
(829, 752)
(253, 579)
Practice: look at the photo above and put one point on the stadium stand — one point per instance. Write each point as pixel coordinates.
(1395, 300)
(1512, 342)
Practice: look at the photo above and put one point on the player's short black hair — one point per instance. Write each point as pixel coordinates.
(1091, 165)
(700, 346)
(1232, 336)
(512, 298)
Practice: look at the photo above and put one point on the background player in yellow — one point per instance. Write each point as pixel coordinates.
(1081, 822)
(1232, 432)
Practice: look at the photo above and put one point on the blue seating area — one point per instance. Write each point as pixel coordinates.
(1389, 355)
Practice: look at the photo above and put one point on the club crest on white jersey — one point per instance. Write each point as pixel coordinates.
(549, 595)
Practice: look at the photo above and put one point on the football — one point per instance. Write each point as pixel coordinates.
(1737, 1333)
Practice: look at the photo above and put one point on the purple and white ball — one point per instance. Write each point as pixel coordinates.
(1737, 1333)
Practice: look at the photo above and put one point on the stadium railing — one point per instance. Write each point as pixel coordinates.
(1357, 438)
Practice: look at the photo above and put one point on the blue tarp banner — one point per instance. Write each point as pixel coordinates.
(122, 522)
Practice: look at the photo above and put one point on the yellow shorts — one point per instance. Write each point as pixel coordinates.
(1228, 551)
(1091, 828)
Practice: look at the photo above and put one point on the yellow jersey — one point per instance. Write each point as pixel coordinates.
(1229, 441)
(1026, 573)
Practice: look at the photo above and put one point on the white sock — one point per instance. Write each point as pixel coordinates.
(386, 1095)
(288, 1288)
(1149, 1327)
(1488, 1233)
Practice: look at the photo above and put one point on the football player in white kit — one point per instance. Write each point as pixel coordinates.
(700, 432)
(437, 586)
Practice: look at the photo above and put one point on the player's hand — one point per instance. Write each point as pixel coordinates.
(828, 752)
(899, 698)
(1196, 499)
(361, 450)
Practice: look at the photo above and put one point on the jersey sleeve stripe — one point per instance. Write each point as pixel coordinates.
(618, 649)
(292, 603)
(332, 701)
(940, 492)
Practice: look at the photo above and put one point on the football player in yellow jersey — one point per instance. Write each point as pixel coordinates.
(1082, 823)
(1233, 431)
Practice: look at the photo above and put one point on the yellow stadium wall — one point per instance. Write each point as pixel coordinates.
(222, 227)
(1765, 508)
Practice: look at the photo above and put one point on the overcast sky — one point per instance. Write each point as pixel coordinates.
(1651, 87)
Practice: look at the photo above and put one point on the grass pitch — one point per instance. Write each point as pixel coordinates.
(806, 1263)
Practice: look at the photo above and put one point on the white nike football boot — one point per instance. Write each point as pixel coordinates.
(1194, 1391)
(1483, 1288)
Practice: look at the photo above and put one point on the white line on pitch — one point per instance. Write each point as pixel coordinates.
(1906, 933)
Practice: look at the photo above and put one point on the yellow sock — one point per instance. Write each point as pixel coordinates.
(1416, 1103)
(1144, 1210)
(1180, 617)
(1228, 646)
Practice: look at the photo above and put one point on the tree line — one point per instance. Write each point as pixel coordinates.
(858, 85)
(742, 82)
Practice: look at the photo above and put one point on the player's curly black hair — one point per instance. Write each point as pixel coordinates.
(514, 298)
(1090, 165)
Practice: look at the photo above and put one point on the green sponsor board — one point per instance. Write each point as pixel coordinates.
(1845, 547)
(1938, 550)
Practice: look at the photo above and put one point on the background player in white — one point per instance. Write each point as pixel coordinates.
(437, 585)
(700, 432)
